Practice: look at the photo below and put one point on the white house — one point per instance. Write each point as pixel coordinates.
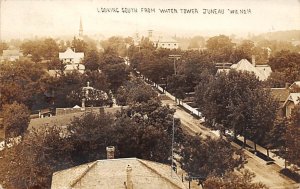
(261, 71)
(163, 41)
(11, 55)
(72, 60)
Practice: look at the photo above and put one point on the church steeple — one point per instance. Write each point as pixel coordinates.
(80, 29)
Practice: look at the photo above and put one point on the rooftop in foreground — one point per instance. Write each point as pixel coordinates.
(127, 173)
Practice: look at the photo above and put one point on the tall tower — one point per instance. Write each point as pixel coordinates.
(80, 29)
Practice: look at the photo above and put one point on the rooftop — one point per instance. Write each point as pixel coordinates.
(261, 71)
(281, 94)
(112, 173)
(69, 53)
(293, 97)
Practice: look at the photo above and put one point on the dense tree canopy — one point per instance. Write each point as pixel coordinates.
(288, 64)
(237, 101)
(209, 157)
(135, 91)
(15, 119)
(221, 47)
(20, 82)
(234, 181)
(46, 49)
(142, 131)
(293, 137)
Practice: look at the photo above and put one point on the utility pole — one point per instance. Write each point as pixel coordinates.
(175, 57)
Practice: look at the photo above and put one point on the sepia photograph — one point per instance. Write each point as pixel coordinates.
(149, 94)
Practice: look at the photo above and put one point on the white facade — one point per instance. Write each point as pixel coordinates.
(165, 42)
(11, 55)
(72, 60)
(261, 71)
(71, 57)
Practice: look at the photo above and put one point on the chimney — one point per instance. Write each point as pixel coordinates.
(150, 33)
(110, 151)
(129, 184)
(253, 60)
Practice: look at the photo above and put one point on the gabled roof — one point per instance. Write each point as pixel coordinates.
(296, 83)
(69, 53)
(293, 97)
(280, 94)
(111, 173)
(261, 71)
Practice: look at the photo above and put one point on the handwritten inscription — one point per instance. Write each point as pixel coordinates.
(204, 11)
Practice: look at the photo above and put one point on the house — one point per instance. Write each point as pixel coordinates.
(295, 86)
(262, 72)
(126, 173)
(72, 60)
(280, 94)
(163, 42)
(167, 42)
(11, 55)
(292, 100)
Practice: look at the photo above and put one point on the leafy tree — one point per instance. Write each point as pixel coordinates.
(119, 44)
(276, 137)
(135, 91)
(92, 60)
(40, 155)
(177, 85)
(79, 45)
(209, 157)
(33, 48)
(238, 101)
(16, 119)
(204, 82)
(194, 63)
(243, 51)
(3, 46)
(157, 65)
(233, 180)
(49, 49)
(220, 47)
(288, 64)
(292, 138)
(276, 80)
(91, 134)
(20, 82)
(62, 46)
(117, 74)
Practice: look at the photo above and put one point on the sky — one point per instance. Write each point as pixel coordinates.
(50, 18)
